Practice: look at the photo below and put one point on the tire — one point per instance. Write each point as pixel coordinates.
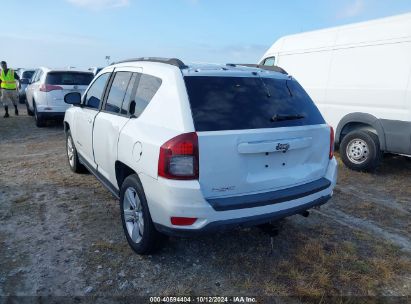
(72, 156)
(360, 151)
(138, 226)
(39, 120)
(29, 112)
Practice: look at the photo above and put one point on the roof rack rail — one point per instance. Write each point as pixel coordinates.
(273, 68)
(172, 61)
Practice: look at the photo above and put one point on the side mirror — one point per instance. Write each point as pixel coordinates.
(24, 81)
(73, 98)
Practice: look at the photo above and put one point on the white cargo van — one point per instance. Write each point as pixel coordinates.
(359, 75)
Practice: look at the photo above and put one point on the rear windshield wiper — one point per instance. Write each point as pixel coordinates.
(282, 117)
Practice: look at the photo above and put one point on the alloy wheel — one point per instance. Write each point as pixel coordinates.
(70, 151)
(133, 215)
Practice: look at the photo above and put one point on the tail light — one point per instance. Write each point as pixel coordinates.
(183, 221)
(331, 155)
(49, 87)
(179, 158)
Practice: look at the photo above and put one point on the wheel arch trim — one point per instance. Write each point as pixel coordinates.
(122, 171)
(363, 118)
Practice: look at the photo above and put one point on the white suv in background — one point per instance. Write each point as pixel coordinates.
(193, 149)
(45, 94)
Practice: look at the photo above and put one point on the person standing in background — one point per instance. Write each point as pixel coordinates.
(8, 83)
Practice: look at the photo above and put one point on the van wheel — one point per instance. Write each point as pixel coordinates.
(138, 227)
(29, 112)
(72, 155)
(360, 151)
(39, 120)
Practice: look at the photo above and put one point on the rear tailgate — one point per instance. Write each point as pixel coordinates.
(250, 162)
(58, 84)
(256, 134)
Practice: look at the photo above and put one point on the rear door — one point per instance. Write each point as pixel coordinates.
(256, 134)
(60, 83)
(113, 117)
(84, 118)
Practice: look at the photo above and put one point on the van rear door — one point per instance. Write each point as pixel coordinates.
(256, 134)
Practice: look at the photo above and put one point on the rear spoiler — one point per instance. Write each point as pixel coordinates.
(273, 68)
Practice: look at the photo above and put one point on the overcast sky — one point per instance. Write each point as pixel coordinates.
(58, 33)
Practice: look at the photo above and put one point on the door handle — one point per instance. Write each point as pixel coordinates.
(90, 120)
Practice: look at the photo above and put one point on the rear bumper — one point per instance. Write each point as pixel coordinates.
(242, 222)
(51, 111)
(269, 198)
(50, 108)
(169, 198)
(50, 115)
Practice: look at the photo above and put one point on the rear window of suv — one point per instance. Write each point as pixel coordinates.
(238, 103)
(69, 78)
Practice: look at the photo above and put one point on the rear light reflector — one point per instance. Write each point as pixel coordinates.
(49, 87)
(178, 158)
(183, 221)
(332, 139)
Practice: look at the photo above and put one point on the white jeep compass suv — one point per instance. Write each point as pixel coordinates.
(193, 149)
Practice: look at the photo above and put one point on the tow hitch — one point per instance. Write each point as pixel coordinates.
(272, 230)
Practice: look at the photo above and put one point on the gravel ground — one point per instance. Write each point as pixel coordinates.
(60, 234)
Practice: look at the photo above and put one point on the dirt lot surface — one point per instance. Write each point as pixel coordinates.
(60, 234)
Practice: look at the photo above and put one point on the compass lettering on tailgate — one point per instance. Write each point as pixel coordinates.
(223, 189)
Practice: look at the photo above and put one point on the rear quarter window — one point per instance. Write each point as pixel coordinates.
(238, 103)
(147, 87)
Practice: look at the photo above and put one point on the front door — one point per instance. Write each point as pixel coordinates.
(85, 119)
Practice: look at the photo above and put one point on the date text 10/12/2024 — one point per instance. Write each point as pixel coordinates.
(197, 299)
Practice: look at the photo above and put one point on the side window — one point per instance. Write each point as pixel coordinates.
(95, 92)
(118, 91)
(270, 61)
(34, 76)
(38, 75)
(147, 88)
(131, 92)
